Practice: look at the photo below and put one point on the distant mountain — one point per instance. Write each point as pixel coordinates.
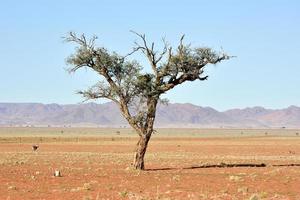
(172, 115)
(261, 117)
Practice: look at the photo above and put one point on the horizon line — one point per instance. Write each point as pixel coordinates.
(99, 103)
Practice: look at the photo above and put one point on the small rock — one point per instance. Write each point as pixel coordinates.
(57, 173)
(12, 187)
(35, 147)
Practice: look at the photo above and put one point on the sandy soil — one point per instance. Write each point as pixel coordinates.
(100, 170)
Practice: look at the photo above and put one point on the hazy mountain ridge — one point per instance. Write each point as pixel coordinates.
(172, 115)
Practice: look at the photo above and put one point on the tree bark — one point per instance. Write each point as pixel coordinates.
(138, 162)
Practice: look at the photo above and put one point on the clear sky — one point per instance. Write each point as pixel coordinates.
(264, 35)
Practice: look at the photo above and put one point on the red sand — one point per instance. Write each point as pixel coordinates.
(100, 171)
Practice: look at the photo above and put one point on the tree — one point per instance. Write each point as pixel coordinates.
(135, 91)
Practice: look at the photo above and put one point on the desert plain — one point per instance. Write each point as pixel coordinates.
(180, 164)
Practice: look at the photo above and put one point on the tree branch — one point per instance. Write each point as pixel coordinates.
(149, 52)
(100, 90)
(125, 82)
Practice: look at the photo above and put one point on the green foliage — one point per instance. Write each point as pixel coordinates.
(124, 82)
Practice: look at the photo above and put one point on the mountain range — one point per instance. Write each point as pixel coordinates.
(171, 115)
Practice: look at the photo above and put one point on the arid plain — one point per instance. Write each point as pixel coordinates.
(180, 164)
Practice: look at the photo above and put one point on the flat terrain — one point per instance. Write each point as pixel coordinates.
(181, 164)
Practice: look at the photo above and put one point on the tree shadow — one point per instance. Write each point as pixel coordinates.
(224, 165)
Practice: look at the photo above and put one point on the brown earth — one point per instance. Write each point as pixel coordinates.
(100, 169)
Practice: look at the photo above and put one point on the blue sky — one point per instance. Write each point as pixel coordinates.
(264, 35)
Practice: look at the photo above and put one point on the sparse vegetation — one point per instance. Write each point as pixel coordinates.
(136, 92)
(96, 167)
(123, 193)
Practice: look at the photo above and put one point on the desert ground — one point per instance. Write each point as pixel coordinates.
(180, 164)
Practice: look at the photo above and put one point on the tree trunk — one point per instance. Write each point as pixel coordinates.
(139, 155)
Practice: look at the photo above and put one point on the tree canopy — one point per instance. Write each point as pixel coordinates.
(126, 83)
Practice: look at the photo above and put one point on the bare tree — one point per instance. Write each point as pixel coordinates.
(135, 91)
